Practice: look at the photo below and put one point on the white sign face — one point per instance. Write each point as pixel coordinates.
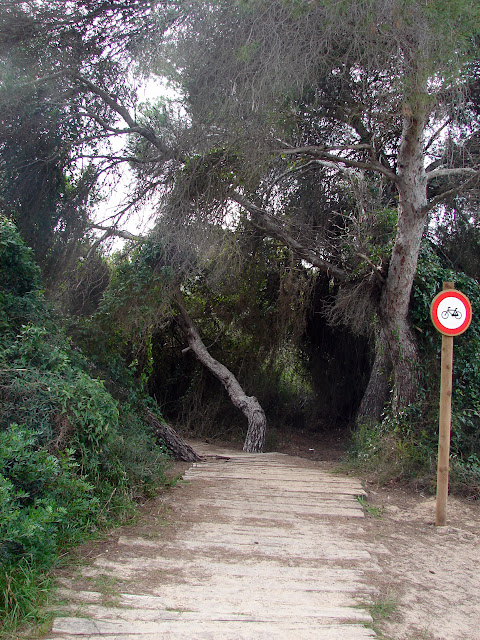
(451, 313)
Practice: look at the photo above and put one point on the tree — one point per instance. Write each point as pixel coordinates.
(145, 293)
(370, 92)
(249, 405)
(364, 97)
(53, 152)
(64, 111)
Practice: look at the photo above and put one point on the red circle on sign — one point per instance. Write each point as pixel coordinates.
(450, 321)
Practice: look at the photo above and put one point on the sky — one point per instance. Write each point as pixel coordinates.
(139, 222)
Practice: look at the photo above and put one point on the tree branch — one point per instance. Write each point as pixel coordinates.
(323, 154)
(266, 222)
(133, 125)
(111, 232)
(119, 233)
(445, 172)
(288, 173)
(449, 192)
(436, 134)
(376, 270)
(103, 123)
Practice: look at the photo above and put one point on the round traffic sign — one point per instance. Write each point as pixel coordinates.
(451, 312)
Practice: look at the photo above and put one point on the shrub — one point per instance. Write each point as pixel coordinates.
(466, 368)
(20, 297)
(43, 500)
(72, 457)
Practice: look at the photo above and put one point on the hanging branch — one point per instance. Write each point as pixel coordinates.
(266, 222)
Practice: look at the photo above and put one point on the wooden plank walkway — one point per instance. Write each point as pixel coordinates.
(269, 548)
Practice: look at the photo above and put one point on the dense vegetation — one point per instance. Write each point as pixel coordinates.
(312, 184)
(404, 444)
(73, 458)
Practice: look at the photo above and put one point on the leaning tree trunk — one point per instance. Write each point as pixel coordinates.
(395, 299)
(174, 443)
(249, 405)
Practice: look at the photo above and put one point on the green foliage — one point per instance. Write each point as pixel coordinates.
(136, 301)
(466, 369)
(397, 448)
(46, 388)
(44, 504)
(20, 273)
(43, 501)
(378, 238)
(465, 475)
(72, 456)
(251, 318)
(138, 292)
(20, 298)
(23, 590)
(371, 510)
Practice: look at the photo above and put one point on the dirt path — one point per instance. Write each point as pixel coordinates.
(428, 586)
(263, 546)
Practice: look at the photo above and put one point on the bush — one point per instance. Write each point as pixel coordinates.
(43, 500)
(72, 457)
(44, 505)
(465, 476)
(20, 297)
(466, 367)
(396, 449)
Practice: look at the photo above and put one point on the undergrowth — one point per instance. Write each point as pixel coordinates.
(404, 444)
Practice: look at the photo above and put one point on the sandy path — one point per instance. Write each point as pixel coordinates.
(432, 574)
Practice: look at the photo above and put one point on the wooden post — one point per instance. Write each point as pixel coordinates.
(444, 425)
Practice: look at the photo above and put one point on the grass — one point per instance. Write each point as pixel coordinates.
(24, 594)
(371, 510)
(109, 588)
(107, 585)
(381, 609)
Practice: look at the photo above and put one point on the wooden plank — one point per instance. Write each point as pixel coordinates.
(248, 631)
(268, 551)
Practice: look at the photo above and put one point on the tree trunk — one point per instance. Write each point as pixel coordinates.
(395, 299)
(249, 405)
(174, 443)
(377, 392)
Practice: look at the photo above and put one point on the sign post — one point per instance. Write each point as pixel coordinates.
(451, 313)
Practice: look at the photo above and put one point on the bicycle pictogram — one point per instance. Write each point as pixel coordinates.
(453, 313)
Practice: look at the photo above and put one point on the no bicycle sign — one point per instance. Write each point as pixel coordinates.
(451, 312)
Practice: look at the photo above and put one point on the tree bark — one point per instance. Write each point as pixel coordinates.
(174, 443)
(249, 405)
(377, 392)
(395, 299)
